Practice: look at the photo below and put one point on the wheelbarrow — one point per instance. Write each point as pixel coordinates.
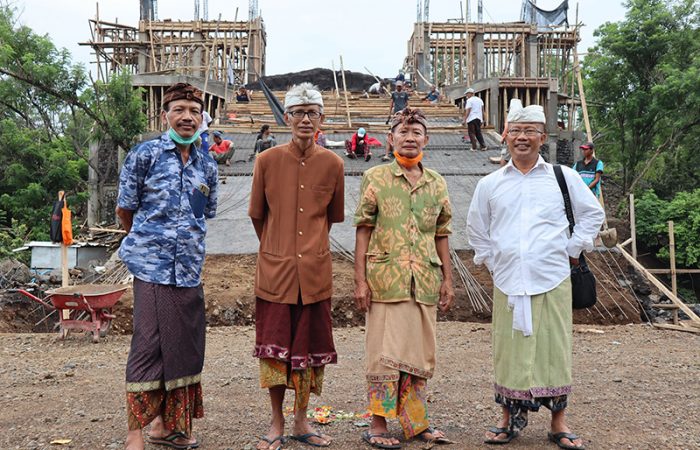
(95, 299)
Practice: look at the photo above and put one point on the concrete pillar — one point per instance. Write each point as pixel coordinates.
(479, 62)
(198, 60)
(93, 193)
(494, 102)
(551, 109)
(425, 62)
(531, 63)
(143, 57)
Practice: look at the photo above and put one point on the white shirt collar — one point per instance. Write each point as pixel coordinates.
(540, 162)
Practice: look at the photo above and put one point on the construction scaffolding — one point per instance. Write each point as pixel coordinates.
(215, 56)
(510, 60)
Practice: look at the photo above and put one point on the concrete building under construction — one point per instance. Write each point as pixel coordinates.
(532, 60)
(213, 55)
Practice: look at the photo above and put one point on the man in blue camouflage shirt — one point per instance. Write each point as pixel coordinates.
(167, 188)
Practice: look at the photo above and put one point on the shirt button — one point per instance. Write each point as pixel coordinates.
(303, 163)
(301, 234)
(301, 209)
(302, 186)
(299, 255)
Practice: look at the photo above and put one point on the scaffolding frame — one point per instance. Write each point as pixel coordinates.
(500, 60)
(216, 56)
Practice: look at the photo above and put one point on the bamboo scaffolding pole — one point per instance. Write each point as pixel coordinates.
(659, 285)
(672, 254)
(633, 227)
(345, 92)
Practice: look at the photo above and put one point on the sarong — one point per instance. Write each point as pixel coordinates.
(177, 408)
(400, 346)
(539, 365)
(164, 368)
(294, 344)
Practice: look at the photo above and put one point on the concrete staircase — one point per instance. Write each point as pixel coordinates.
(368, 112)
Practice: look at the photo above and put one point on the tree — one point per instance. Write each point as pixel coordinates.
(645, 72)
(49, 115)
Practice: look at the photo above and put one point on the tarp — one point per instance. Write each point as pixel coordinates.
(543, 18)
(275, 105)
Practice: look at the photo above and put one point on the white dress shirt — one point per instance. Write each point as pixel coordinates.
(517, 226)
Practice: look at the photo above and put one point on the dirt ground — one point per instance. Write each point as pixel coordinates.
(634, 387)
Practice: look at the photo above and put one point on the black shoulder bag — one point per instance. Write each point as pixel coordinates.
(582, 279)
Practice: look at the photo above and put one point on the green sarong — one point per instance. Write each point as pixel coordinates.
(537, 365)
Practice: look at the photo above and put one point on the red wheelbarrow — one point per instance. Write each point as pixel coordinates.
(95, 299)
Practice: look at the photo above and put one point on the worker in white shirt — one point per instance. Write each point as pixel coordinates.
(473, 118)
(204, 132)
(517, 226)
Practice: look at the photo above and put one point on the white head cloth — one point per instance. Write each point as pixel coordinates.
(532, 113)
(303, 94)
(515, 104)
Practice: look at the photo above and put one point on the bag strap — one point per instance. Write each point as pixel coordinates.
(567, 198)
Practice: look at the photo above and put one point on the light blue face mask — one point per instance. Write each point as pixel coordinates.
(181, 140)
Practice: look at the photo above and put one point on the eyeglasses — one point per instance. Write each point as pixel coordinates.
(299, 114)
(529, 132)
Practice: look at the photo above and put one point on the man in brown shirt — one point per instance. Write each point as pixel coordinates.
(297, 194)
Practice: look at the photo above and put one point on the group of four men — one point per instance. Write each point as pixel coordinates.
(402, 274)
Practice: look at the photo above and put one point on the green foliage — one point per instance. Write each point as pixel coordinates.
(49, 115)
(643, 77)
(652, 216)
(14, 237)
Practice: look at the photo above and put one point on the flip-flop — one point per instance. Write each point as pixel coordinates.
(367, 437)
(169, 441)
(280, 438)
(440, 440)
(306, 439)
(510, 435)
(557, 437)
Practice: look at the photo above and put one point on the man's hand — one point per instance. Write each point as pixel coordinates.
(447, 295)
(573, 261)
(363, 296)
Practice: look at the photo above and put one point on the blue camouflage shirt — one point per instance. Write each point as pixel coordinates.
(170, 201)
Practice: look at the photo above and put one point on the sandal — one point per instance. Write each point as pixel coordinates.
(306, 439)
(439, 440)
(557, 437)
(510, 435)
(169, 441)
(270, 442)
(367, 437)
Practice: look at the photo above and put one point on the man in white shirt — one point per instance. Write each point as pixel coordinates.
(518, 227)
(473, 118)
(204, 131)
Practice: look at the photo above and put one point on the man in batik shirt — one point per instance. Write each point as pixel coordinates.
(402, 272)
(297, 194)
(167, 188)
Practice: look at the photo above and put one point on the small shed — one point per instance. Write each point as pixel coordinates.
(47, 255)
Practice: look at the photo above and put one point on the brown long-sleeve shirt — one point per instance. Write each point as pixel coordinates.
(297, 195)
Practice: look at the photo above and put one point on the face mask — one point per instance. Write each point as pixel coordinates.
(181, 140)
(408, 162)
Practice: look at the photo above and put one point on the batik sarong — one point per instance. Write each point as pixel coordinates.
(294, 344)
(400, 358)
(164, 368)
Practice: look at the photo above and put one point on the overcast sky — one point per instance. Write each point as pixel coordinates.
(303, 34)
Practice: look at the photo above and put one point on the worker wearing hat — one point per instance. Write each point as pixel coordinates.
(473, 118)
(590, 168)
